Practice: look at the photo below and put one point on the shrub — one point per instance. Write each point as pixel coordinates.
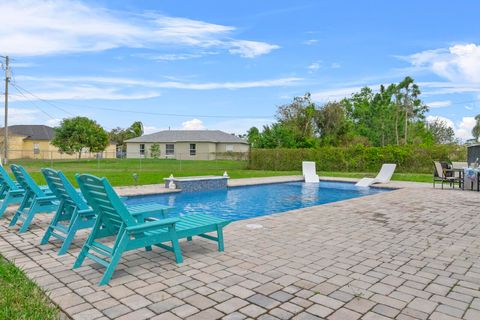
(411, 158)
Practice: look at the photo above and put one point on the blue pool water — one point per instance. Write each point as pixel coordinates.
(247, 202)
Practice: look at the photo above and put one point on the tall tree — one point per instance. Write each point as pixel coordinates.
(299, 118)
(476, 128)
(442, 133)
(332, 124)
(119, 135)
(135, 130)
(408, 94)
(253, 137)
(75, 134)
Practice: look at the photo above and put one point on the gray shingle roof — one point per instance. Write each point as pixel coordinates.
(189, 135)
(32, 132)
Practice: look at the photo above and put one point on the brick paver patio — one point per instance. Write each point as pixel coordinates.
(412, 253)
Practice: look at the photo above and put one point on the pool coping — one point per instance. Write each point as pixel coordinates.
(151, 189)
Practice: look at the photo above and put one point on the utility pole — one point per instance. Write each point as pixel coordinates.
(5, 128)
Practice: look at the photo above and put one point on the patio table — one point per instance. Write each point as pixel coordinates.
(471, 178)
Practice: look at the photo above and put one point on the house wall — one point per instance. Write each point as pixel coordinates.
(18, 148)
(204, 150)
(237, 147)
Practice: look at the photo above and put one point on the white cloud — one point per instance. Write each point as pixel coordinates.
(33, 28)
(462, 129)
(53, 122)
(241, 126)
(193, 124)
(445, 120)
(335, 65)
(152, 129)
(173, 56)
(21, 116)
(445, 87)
(251, 49)
(83, 88)
(439, 104)
(310, 42)
(85, 92)
(468, 108)
(314, 66)
(459, 63)
(335, 94)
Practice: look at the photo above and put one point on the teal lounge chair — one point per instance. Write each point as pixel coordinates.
(10, 192)
(74, 214)
(133, 232)
(34, 201)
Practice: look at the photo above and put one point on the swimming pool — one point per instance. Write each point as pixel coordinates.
(239, 203)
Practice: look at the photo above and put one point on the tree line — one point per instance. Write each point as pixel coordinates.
(395, 115)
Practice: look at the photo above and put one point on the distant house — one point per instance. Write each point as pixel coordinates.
(187, 144)
(34, 142)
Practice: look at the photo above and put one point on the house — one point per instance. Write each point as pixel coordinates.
(34, 142)
(187, 144)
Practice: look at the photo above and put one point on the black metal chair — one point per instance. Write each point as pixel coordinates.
(443, 174)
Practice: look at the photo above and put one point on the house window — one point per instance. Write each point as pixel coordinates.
(193, 149)
(229, 148)
(36, 148)
(169, 149)
(142, 149)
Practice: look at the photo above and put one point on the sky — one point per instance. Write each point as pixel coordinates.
(228, 65)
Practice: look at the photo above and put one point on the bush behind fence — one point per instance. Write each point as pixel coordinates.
(412, 159)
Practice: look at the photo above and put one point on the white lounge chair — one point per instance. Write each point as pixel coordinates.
(384, 176)
(310, 172)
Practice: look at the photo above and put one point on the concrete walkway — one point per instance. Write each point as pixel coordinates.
(412, 253)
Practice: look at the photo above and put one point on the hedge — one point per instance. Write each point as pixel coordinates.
(412, 159)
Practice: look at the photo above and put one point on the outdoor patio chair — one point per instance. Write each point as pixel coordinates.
(35, 199)
(309, 172)
(74, 214)
(133, 232)
(442, 174)
(10, 192)
(383, 176)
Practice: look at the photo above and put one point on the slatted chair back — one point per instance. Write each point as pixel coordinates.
(26, 181)
(63, 189)
(6, 181)
(438, 170)
(105, 202)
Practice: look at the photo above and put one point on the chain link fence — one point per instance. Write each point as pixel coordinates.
(177, 162)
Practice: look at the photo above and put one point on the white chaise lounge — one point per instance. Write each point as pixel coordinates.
(310, 172)
(384, 176)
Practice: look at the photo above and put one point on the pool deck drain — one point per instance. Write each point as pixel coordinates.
(412, 253)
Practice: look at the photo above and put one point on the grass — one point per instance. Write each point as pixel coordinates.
(20, 298)
(151, 171)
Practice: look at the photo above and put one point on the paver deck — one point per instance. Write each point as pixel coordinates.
(411, 253)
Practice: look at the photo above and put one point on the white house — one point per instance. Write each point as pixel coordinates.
(187, 144)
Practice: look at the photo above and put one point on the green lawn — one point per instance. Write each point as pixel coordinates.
(20, 298)
(150, 171)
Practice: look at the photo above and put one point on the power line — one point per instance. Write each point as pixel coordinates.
(43, 100)
(167, 114)
(32, 102)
